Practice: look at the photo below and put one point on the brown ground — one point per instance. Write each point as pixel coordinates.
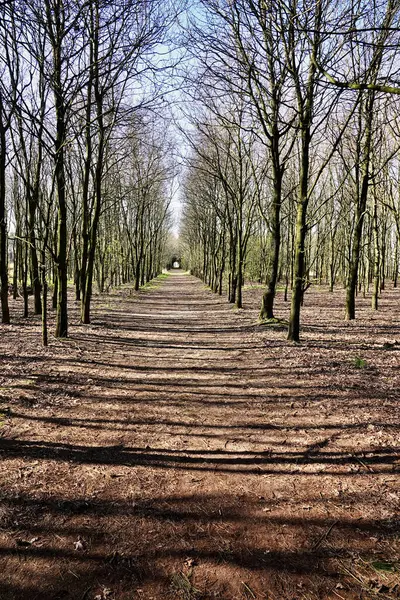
(176, 450)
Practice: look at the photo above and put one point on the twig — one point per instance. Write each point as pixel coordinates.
(360, 581)
(324, 535)
(364, 465)
(248, 589)
(72, 573)
(86, 593)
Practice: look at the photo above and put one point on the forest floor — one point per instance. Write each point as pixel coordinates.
(175, 449)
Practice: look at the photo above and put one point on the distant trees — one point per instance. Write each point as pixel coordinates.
(314, 83)
(224, 196)
(145, 207)
(242, 54)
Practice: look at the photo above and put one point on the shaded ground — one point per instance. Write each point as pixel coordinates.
(174, 449)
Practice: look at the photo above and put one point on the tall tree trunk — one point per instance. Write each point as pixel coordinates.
(62, 272)
(300, 233)
(138, 270)
(396, 262)
(377, 262)
(99, 99)
(297, 291)
(267, 304)
(34, 257)
(44, 302)
(55, 18)
(305, 102)
(5, 312)
(360, 210)
(86, 180)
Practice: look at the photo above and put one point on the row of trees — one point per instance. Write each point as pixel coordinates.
(85, 167)
(294, 167)
(292, 123)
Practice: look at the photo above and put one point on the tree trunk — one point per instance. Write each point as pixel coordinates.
(59, 176)
(87, 296)
(34, 258)
(5, 312)
(138, 273)
(376, 269)
(85, 187)
(267, 304)
(300, 234)
(62, 273)
(297, 292)
(360, 212)
(44, 300)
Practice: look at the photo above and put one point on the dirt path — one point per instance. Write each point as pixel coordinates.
(175, 450)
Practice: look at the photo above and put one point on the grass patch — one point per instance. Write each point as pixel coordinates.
(182, 586)
(155, 283)
(385, 566)
(378, 578)
(274, 323)
(359, 363)
(150, 285)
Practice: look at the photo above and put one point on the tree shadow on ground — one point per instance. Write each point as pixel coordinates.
(383, 460)
(210, 532)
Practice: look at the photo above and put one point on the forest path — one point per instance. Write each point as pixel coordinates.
(176, 355)
(172, 446)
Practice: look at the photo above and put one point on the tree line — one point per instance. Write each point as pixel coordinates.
(85, 157)
(293, 170)
(289, 121)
